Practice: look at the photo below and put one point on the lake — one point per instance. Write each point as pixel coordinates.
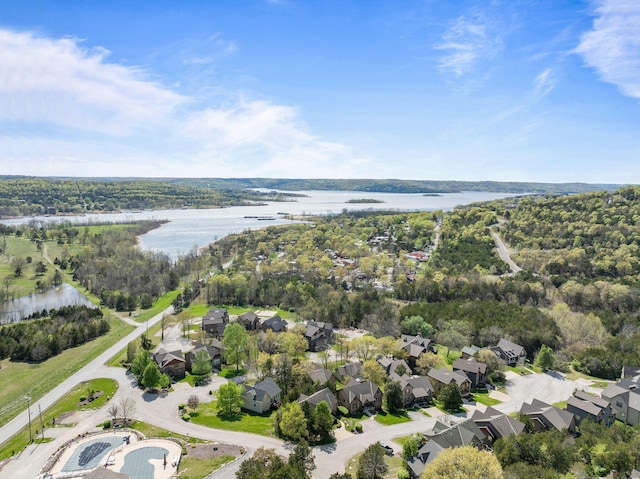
(196, 228)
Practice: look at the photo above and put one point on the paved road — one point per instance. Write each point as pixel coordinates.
(503, 252)
(86, 373)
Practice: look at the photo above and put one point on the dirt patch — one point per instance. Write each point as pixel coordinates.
(208, 451)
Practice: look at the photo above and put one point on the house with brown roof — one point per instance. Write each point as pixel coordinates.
(441, 377)
(545, 416)
(171, 363)
(214, 349)
(359, 395)
(473, 369)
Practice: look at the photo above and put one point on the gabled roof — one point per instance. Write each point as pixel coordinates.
(390, 365)
(507, 345)
(461, 434)
(501, 424)
(418, 339)
(630, 371)
(269, 386)
(470, 365)
(420, 385)
(601, 403)
(426, 454)
(322, 395)
(351, 370)
(320, 375)
(470, 350)
(582, 405)
(276, 323)
(365, 391)
(558, 418)
(446, 377)
(613, 390)
(163, 357)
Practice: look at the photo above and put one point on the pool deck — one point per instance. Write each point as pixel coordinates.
(120, 452)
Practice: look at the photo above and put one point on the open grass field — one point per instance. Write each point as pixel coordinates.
(26, 283)
(161, 304)
(20, 379)
(245, 421)
(117, 360)
(69, 402)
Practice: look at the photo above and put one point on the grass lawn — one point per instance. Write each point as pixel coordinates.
(560, 404)
(160, 305)
(154, 431)
(439, 405)
(194, 468)
(116, 361)
(389, 419)
(231, 372)
(69, 402)
(20, 379)
(245, 421)
(483, 398)
(26, 283)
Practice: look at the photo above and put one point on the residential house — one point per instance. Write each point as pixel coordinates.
(583, 405)
(249, 320)
(275, 324)
(415, 346)
(416, 390)
(546, 416)
(441, 377)
(510, 353)
(629, 372)
(262, 396)
(359, 395)
(321, 376)
(469, 351)
(394, 367)
(215, 321)
(624, 398)
(442, 437)
(348, 371)
(318, 335)
(171, 363)
(214, 349)
(495, 424)
(474, 370)
(322, 395)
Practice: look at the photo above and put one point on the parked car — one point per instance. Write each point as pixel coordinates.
(388, 450)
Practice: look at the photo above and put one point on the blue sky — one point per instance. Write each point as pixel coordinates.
(540, 90)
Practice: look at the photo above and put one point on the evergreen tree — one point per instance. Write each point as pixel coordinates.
(450, 397)
(393, 396)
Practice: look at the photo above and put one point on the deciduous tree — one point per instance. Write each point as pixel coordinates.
(467, 462)
(235, 342)
(229, 399)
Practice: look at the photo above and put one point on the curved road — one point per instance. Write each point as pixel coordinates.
(86, 373)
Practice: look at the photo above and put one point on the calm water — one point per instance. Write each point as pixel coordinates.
(197, 228)
(25, 306)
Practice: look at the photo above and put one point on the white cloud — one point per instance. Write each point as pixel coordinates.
(544, 83)
(612, 46)
(465, 43)
(67, 110)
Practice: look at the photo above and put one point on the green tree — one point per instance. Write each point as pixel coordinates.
(236, 341)
(323, 421)
(545, 358)
(132, 350)
(140, 363)
(450, 397)
(301, 461)
(229, 399)
(337, 475)
(454, 334)
(415, 325)
(201, 363)
(371, 464)
(293, 343)
(393, 397)
(151, 376)
(467, 462)
(372, 371)
(294, 423)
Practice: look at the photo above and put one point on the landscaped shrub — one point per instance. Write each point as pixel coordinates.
(358, 427)
(343, 410)
(186, 417)
(181, 406)
(106, 424)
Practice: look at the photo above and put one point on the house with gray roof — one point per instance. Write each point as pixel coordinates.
(473, 369)
(416, 390)
(215, 321)
(441, 437)
(318, 335)
(348, 371)
(262, 396)
(583, 405)
(171, 363)
(441, 377)
(321, 376)
(495, 424)
(511, 353)
(249, 320)
(391, 366)
(359, 395)
(415, 346)
(469, 351)
(545, 416)
(275, 324)
(319, 396)
(214, 349)
(624, 398)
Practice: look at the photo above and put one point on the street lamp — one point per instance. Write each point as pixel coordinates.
(29, 414)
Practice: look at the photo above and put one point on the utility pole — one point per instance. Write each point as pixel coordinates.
(41, 424)
(29, 414)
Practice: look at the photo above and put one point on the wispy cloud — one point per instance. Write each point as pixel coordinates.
(612, 46)
(64, 104)
(467, 42)
(544, 83)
